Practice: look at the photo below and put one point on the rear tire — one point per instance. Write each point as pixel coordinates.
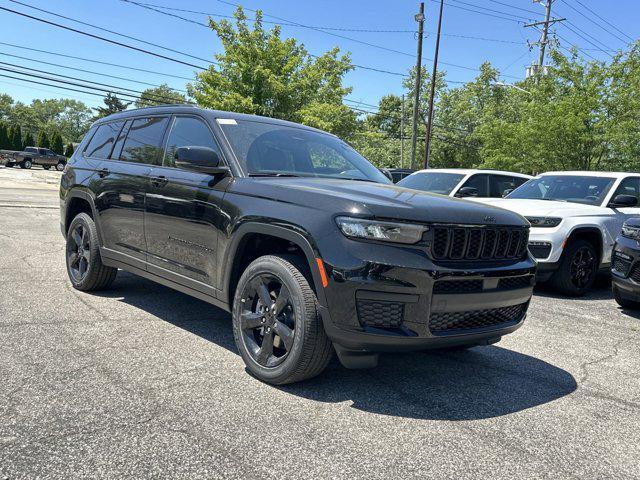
(26, 164)
(273, 296)
(84, 264)
(578, 269)
(60, 166)
(624, 302)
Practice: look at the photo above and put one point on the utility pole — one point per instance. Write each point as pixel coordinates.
(427, 150)
(402, 132)
(416, 97)
(544, 38)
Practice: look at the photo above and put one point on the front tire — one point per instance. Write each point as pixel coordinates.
(578, 269)
(276, 324)
(60, 166)
(624, 302)
(84, 264)
(26, 164)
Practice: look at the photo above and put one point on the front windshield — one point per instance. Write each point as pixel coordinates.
(432, 182)
(265, 149)
(565, 188)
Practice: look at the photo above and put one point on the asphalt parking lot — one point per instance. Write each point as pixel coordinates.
(143, 381)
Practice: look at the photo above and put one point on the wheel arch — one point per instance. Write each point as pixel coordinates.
(592, 234)
(241, 254)
(79, 201)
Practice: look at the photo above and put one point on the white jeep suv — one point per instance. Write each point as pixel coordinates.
(575, 218)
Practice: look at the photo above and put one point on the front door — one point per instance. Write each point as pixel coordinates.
(183, 212)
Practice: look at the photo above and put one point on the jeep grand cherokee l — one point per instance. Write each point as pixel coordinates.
(309, 246)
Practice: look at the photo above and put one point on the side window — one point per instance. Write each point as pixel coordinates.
(102, 141)
(188, 132)
(499, 183)
(117, 148)
(31, 150)
(479, 182)
(42, 151)
(629, 186)
(144, 140)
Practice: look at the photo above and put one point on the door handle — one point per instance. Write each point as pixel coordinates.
(103, 172)
(159, 181)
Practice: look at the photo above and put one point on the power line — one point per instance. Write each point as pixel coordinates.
(340, 29)
(91, 60)
(77, 79)
(604, 20)
(480, 12)
(500, 12)
(104, 39)
(87, 71)
(576, 30)
(595, 23)
(97, 27)
(517, 8)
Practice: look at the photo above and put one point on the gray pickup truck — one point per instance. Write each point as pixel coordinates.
(34, 156)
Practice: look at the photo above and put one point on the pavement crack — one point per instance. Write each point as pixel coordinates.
(584, 366)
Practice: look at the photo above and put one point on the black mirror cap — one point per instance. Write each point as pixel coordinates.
(623, 200)
(467, 192)
(199, 159)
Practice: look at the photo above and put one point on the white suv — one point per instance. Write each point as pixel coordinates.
(575, 218)
(463, 182)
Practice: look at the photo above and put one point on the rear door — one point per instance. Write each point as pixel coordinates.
(478, 181)
(183, 211)
(501, 184)
(123, 184)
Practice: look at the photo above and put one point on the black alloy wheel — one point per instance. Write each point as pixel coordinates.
(583, 267)
(267, 320)
(79, 253)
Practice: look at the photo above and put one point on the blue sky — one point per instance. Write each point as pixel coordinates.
(507, 49)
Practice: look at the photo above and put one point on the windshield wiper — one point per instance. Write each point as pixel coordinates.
(273, 174)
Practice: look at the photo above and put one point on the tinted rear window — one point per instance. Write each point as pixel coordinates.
(144, 140)
(101, 143)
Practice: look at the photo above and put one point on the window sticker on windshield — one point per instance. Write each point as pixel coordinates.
(226, 121)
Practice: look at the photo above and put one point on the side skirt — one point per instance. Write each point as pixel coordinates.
(108, 260)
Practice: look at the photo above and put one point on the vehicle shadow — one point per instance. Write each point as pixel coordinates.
(482, 382)
(601, 290)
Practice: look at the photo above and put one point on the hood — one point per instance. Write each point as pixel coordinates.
(545, 208)
(374, 199)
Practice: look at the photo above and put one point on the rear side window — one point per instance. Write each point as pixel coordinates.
(188, 132)
(144, 141)
(498, 184)
(102, 141)
(479, 182)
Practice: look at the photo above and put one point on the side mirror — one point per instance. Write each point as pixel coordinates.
(622, 200)
(467, 192)
(387, 173)
(507, 192)
(199, 159)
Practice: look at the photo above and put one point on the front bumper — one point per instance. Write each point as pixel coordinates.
(390, 298)
(625, 268)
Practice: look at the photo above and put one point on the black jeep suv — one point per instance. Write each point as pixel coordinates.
(309, 246)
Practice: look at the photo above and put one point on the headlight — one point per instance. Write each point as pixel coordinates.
(630, 232)
(384, 231)
(544, 222)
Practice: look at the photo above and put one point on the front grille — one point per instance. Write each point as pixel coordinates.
(462, 286)
(457, 286)
(635, 273)
(621, 265)
(454, 322)
(374, 313)
(540, 250)
(473, 243)
(513, 283)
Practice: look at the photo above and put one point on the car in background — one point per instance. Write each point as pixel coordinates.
(625, 265)
(575, 218)
(398, 174)
(34, 156)
(461, 183)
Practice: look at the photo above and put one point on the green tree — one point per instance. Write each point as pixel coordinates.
(68, 151)
(261, 73)
(112, 105)
(43, 140)
(4, 137)
(160, 95)
(15, 137)
(6, 106)
(28, 141)
(57, 144)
